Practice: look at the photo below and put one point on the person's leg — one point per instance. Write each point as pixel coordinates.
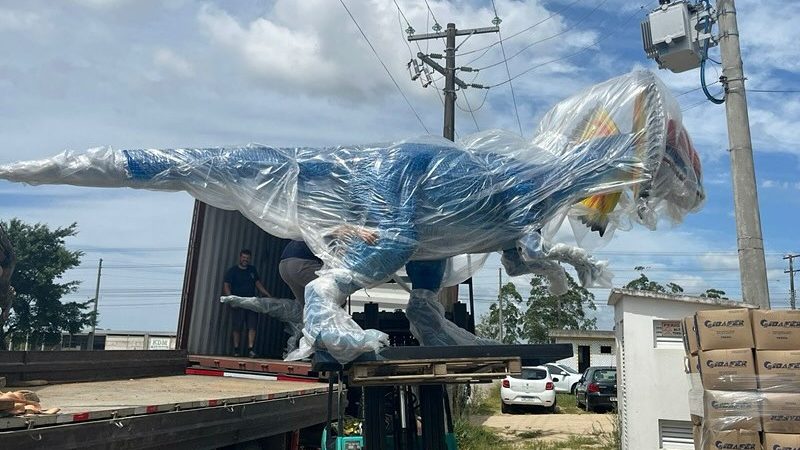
(237, 319)
(288, 268)
(236, 335)
(251, 317)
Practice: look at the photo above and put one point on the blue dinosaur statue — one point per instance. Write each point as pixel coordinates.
(615, 152)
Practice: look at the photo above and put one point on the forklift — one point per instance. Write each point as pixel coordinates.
(403, 403)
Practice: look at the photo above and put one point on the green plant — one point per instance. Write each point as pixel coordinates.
(485, 401)
(478, 437)
(609, 440)
(566, 404)
(530, 434)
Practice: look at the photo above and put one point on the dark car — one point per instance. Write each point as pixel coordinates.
(597, 388)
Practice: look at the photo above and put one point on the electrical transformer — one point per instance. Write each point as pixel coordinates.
(672, 35)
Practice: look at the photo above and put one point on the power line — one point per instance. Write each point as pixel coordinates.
(508, 71)
(518, 32)
(471, 111)
(696, 89)
(399, 10)
(622, 26)
(702, 102)
(435, 20)
(384, 66)
(545, 39)
(776, 91)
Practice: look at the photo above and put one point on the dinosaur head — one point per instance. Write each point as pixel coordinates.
(659, 174)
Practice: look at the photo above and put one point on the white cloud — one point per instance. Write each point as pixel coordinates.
(19, 20)
(778, 184)
(718, 261)
(168, 61)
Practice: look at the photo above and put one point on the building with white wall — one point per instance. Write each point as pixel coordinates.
(589, 347)
(121, 340)
(652, 386)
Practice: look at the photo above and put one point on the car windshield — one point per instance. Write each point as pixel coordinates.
(569, 370)
(534, 374)
(609, 375)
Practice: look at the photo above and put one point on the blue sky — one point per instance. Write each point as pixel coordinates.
(143, 73)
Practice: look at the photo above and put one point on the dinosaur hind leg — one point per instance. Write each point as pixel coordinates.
(426, 314)
(327, 325)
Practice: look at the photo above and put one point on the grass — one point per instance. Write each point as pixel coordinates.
(529, 434)
(478, 437)
(567, 405)
(487, 402)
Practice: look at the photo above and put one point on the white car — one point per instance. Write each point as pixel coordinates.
(534, 387)
(564, 377)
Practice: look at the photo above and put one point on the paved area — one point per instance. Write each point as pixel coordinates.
(553, 427)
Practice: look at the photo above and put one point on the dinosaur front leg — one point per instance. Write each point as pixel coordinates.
(426, 314)
(534, 255)
(327, 326)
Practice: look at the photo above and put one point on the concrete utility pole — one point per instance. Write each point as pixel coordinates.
(791, 272)
(90, 344)
(752, 265)
(500, 301)
(449, 71)
(432, 395)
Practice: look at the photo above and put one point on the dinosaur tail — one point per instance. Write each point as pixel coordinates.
(98, 167)
(171, 170)
(253, 179)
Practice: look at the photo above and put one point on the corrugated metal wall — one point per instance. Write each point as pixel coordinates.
(224, 234)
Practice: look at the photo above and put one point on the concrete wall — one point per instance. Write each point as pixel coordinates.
(596, 358)
(652, 384)
(139, 342)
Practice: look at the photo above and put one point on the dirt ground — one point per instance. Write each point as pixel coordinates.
(553, 427)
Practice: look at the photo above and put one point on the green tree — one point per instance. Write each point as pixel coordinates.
(714, 293)
(37, 310)
(546, 312)
(512, 317)
(645, 284)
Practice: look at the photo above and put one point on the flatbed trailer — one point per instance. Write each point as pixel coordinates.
(172, 410)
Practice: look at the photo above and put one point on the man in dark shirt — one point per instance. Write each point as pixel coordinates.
(242, 280)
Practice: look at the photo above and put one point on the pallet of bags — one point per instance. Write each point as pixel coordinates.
(745, 370)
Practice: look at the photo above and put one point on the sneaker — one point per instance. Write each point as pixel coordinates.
(235, 354)
(252, 354)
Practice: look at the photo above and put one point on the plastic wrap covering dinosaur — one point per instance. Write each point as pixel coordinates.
(615, 151)
(287, 310)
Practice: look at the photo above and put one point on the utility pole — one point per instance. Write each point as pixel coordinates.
(431, 396)
(791, 272)
(90, 344)
(449, 71)
(752, 264)
(500, 301)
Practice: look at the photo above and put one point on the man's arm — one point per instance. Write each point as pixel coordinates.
(261, 289)
(226, 288)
